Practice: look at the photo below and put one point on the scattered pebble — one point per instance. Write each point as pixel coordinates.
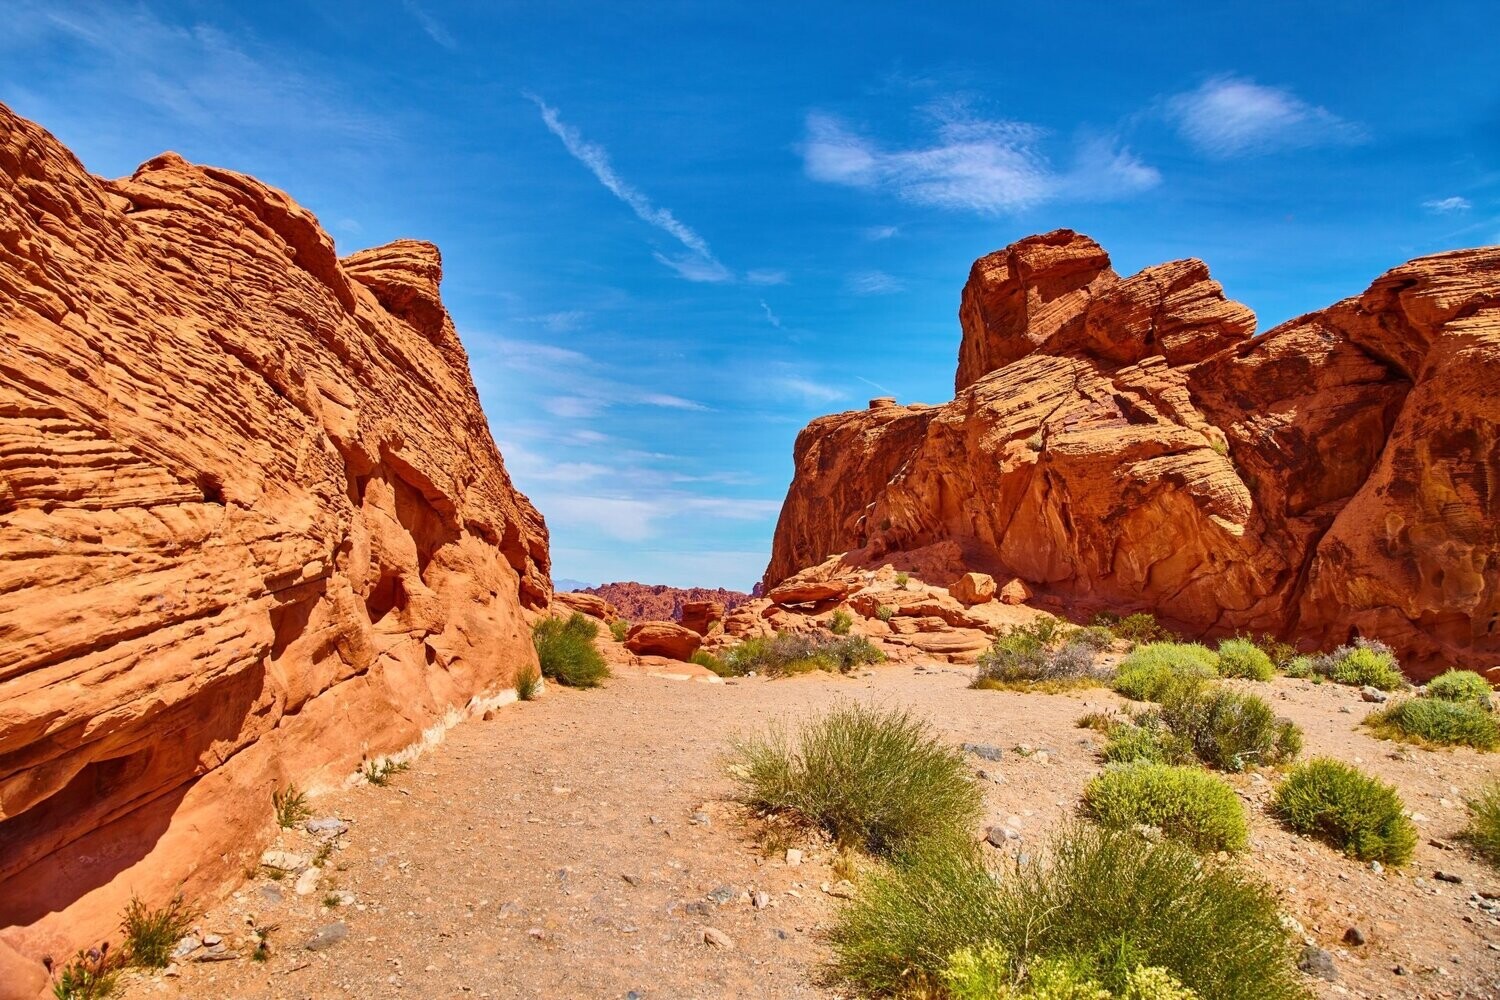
(793, 856)
(327, 936)
(716, 938)
(984, 751)
(1317, 962)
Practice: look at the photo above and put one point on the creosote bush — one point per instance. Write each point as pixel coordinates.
(1483, 830)
(1227, 729)
(1140, 627)
(885, 612)
(1348, 809)
(1103, 907)
(1435, 722)
(1243, 658)
(565, 649)
(841, 622)
(1040, 653)
(1187, 804)
(1368, 662)
(799, 652)
(1149, 669)
(618, 629)
(704, 658)
(1460, 685)
(150, 935)
(872, 778)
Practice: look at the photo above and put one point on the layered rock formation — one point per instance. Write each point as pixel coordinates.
(638, 602)
(1127, 443)
(255, 527)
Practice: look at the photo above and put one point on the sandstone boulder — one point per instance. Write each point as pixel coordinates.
(702, 616)
(255, 527)
(588, 604)
(662, 639)
(973, 588)
(1122, 442)
(808, 592)
(1015, 591)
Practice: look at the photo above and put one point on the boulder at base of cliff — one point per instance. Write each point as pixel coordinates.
(974, 588)
(663, 639)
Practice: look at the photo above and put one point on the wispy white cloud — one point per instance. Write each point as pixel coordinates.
(875, 385)
(873, 283)
(578, 387)
(1448, 206)
(699, 263)
(978, 164)
(765, 276)
(637, 518)
(430, 25)
(1232, 116)
(877, 233)
(771, 317)
(808, 391)
(669, 401)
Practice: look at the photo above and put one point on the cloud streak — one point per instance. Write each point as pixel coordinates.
(1232, 116)
(699, 263)
(984, 165)
(1448, 206)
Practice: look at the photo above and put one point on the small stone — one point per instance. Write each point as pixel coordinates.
(1373, 694)
(212, 940)
(700, 819)
(1354, 936)
(284, 861)
(1042, 756)
(271, 893)
(536, 934)
(716, 938)
(842, 889)
(1000, 836)
(215, 953)
(343, 897)
(327, 936)
(723, 895)
(793, 856)
(326, 826)
(984, 751)
(187, 946)
(1317, 962)
(631, 879)
(1399, 970)
(307, 882)
(1448, 877)
(991, 774)
(761, 899)
(1377, 867)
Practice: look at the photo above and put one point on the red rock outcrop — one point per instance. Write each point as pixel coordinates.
(702, 616)
(638, 602)
(1126, 443)
(254, 526)
(663, 639)
(588, 604)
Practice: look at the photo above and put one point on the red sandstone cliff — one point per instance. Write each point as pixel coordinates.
(254, 526)
(1127, 443)
(639, 602)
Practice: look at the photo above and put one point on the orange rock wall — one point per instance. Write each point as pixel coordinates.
(1127, 444)
(254, 526)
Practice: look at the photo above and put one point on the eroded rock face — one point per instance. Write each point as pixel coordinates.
(1124, 443)
(255, 527)
(663, 639)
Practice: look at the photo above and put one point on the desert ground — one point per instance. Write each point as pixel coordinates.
(588, 844)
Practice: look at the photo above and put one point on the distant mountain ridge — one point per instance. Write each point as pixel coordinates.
(566, 585)
(641, 602)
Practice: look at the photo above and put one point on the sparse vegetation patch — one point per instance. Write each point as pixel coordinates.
(1185, 803)
(565, 649)
(1147, 672)
(1483, 830)
(1434, 722)
(1243, 658)
(151, 934)
(1460, 685)
(1040, 654)
(1354, 812)
(799, 652)
(290, 805)
(1104, 909)
(873, 778)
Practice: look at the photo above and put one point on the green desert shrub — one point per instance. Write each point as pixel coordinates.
(983, 973)
(1039, 653)
(1437, 722)
(1243, 658)
(1104, 904)
(1149, 669)
(841, 622)
(902, 579)
(1095, 637)
(1301, 667)
(565, 649)
(528, 683)
(1460, 685)
(291, 806)
(151, 934)
(619, 629)
(1146, 738)
(1367, 662)
(1483, 830)
(704, 658)
(92, 974)
(1187, 804)
(1354, 812)
(1141, 627)
(885, 612)
(1229, 730)
(799, 652)
(872, 778)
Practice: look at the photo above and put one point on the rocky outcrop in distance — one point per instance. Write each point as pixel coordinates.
(255, 528)
(1130, 444)
(637, 602)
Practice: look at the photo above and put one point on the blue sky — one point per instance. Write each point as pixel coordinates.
(675, 232)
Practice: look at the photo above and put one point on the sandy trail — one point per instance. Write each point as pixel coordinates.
(554, 852)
